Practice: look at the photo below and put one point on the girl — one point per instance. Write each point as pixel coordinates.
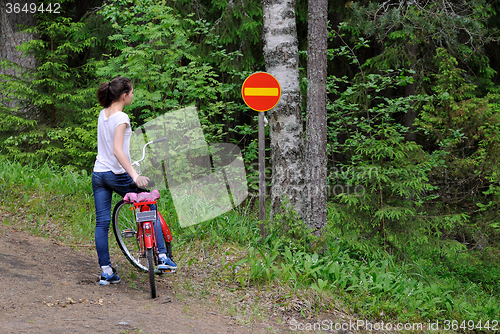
(114, 172)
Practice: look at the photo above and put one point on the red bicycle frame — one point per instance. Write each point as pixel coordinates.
(146, 232)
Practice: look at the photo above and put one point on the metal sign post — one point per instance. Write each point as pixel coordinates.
(261, 92)
(262, 170)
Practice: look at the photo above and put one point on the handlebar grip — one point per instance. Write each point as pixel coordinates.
(134, 186)
(159, 140)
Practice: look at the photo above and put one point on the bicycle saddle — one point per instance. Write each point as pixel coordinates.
(141, 197)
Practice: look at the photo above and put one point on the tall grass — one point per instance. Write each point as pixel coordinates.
(47, 200)
(44, 177)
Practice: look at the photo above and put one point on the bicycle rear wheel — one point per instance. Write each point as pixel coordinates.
(126, 234)
(151, 272)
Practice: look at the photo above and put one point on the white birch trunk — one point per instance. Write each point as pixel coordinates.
(285, 120)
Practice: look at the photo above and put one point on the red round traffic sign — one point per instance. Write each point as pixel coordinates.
(261, 91)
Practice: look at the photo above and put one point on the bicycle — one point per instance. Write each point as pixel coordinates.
(135, 232)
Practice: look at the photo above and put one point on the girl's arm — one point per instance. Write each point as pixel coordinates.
(141, 181)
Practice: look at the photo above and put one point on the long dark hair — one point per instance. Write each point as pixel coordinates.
(111, 91)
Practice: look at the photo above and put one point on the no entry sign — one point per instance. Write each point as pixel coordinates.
(261, 91)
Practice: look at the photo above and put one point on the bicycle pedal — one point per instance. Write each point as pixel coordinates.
(167, 270)
(128, 233)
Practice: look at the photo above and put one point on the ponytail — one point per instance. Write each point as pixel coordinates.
(111, 91)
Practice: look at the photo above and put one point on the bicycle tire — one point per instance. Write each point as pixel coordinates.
(124, 228)
(151, 272)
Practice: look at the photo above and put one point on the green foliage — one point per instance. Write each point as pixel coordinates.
(381, 182)
(462, 134)
(420, 199)
(438, 22)
(155, 51)
(409, 36)
(458, 25)
(238, 24)
(161, 52)
(233, 47)
(53, 116)
(366, 286)
(370, 287)
(290, 230)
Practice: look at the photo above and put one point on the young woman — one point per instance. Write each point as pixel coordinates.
(114, 172)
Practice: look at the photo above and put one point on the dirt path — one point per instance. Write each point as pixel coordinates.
(49, 288)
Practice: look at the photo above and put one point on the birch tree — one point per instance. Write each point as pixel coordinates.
(285, 120)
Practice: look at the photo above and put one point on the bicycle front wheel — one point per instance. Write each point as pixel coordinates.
(127, 236)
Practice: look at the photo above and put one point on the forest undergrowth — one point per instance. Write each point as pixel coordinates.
(288, 274)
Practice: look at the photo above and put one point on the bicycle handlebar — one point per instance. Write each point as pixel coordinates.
(134, 186)
(159, 140)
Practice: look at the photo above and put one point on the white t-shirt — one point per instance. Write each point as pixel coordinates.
(106, 160)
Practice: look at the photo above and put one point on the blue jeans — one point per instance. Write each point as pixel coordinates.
(103, 185)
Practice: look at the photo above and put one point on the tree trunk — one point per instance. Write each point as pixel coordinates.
(10, 37)
(285, 120)
(315, 162)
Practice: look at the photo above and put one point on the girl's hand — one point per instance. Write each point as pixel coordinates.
(141, 181)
